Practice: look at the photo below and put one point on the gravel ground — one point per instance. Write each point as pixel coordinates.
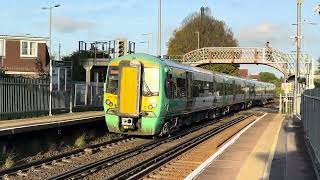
(109, 150)
(126, 164)
(65, 149)
(46, 172)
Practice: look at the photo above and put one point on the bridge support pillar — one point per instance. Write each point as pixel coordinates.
(88, 73)
(88, 80)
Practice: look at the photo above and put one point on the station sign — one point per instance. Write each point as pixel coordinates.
(287, 87)
(61, 76)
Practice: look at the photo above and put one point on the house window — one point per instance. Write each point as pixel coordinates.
(28, 49)
(2, 47)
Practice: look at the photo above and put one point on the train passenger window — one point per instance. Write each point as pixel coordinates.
(112, 80)
(229, 89)
(201, 88)
(181, 88)
(151, 81)
(211, 90)
(195, 88)
(169, 86)
(220, 89)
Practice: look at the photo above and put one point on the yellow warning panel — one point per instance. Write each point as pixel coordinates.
(129, 91)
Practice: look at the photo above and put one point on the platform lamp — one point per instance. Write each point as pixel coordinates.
(50, 53)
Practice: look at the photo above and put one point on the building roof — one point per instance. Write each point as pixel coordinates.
(243, 73)
(25, 37)
(254, 76)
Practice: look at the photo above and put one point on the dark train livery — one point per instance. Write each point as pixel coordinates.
(146, 95)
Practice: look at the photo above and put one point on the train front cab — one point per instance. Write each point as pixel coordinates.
(132, 98)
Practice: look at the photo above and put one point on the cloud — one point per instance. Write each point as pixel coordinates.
(266, 31)
(102, 7)
(69, 24)
(236, 3)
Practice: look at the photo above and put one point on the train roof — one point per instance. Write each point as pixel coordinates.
(187, 68)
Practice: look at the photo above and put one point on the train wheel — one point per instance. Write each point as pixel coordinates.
(165, 129)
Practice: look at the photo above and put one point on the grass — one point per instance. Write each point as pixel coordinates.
(9, 160)
(80, 140)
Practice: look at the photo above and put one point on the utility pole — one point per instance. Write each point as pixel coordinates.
(2, 50)
(201, 25)
(59, 51)
(298, 39)
(198, 37)
(159, 29)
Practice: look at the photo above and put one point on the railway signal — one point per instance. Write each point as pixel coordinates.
(317, 9)
(121, 47)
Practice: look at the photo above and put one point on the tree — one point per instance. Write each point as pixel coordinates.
(43, 74)
(271, 78)
(317, 74)
(78, 72)
(267, 77)
(212, 33)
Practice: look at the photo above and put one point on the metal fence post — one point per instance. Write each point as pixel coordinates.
(75, 95)
(86, 95)
(280, 104)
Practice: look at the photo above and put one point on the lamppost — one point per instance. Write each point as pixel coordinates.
(149, 39)
(50, 53)
(198, 36)
(159, 30)
(298, 39)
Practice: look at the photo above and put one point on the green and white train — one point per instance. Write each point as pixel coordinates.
(146, 95)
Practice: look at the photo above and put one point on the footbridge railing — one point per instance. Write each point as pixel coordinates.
(283, 62)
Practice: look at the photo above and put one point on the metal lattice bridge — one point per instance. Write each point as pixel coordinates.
(283, 62)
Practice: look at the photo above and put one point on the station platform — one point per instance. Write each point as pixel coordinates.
(10, 127)
(273, 148)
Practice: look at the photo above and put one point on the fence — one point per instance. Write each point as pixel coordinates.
(22, 97)
(310, 115)
(286, 103)
(88, 94)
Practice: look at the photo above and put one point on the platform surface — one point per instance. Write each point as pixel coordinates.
(273, 148)
(30, 124)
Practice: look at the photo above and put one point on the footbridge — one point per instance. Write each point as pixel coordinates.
(283, 62)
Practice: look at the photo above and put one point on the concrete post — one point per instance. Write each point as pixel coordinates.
(88, 80)
(88, 75)
(96, 80)
(280, 104)
(96, 77)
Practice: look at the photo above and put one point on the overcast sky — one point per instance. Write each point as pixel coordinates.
(253, 21)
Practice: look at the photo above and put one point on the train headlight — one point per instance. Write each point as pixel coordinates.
(153, 105)
(108, 102)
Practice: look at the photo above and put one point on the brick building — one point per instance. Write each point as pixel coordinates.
(243, 73)
(23, 55)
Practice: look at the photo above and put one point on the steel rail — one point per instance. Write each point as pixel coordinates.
(152, 163)
(37, 163)
(109, 161)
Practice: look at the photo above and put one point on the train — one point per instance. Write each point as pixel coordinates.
(150, 96)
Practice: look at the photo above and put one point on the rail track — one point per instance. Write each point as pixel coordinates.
(146, 166)
(32, 166)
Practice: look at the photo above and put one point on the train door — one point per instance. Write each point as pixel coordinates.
(129, 93)
(234, 91)
(189, 91)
